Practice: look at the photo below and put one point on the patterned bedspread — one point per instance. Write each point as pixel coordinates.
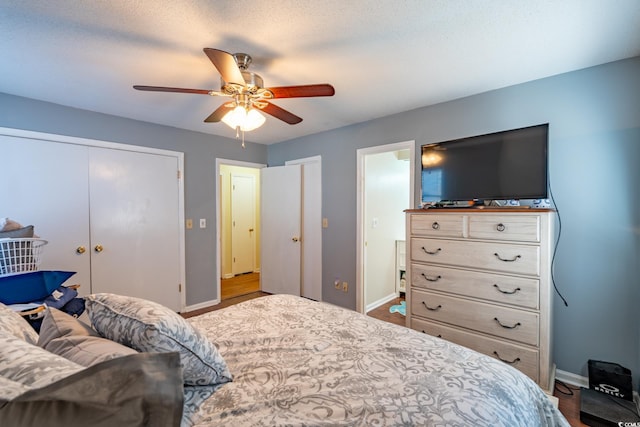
(297, 362)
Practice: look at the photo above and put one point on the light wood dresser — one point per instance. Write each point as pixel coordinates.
(482, 278)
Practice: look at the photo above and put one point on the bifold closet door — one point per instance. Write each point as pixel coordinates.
(45, 184)
(110, 215)
(135, 235)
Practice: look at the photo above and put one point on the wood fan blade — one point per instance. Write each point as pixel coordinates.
(302, 91)
(280, 113)
(226, 65)
(172, 89)
(217, 115)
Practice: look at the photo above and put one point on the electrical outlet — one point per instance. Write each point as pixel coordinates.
(345, 286)
(189, 224)
(325, 223)
(336, 283)
(203, 223)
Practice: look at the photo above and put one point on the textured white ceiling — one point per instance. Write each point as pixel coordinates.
(382, 57)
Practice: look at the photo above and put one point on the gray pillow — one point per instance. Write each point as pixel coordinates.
(150, 327)
(24, 232)
(135, 390)
(31, 365)
(68, 337)
(16, 325)
(10, 389)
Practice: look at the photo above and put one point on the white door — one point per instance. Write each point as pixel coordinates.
(311, 268)
(280, 229)
(243, 213)
(59, 185)
(45, 185)
(135, 238)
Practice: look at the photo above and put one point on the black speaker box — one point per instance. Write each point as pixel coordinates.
(599, 410)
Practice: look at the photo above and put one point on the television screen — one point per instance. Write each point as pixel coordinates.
(498, 166)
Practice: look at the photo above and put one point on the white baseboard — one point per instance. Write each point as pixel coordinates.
(202, 305)
(380, 302)
(573, 379)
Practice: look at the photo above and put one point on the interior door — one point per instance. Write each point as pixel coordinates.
(243, 213)
(281, 205)
(135, 238)
(311, 269)
(45, 185)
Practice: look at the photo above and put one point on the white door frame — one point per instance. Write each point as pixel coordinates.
(360, 187)
(219, 163)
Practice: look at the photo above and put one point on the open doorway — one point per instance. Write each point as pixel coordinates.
(385, 190)
(238, 222)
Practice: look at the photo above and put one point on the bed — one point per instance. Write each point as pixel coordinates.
(286, 360)
(299, 362)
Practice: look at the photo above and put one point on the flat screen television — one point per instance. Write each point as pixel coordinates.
(499, 166)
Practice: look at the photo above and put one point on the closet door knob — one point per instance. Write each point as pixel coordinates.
(80, 250)
(98, 248)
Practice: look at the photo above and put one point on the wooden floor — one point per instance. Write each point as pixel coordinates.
(569, 404)
(241, 284)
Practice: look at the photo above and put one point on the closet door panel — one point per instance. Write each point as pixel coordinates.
(45, 184)
(135, 238)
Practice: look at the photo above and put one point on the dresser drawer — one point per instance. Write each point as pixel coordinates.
(522, 358)
(505, 227)
(509, 323)
(509, 258)
(437, 225)
(518, 291)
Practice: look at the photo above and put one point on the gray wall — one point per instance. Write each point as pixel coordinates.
(200, 151)
(594, 157)
(594, 124)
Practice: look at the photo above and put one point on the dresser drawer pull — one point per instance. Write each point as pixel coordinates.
(506, 292)
(435, 225)
(507, 260)
(510, 362)
(439, 335)
(431, 279)
(431, 308)
(501, 227)
(431, 252)
(506, 326)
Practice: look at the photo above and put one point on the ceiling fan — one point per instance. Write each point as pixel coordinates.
(247, 92)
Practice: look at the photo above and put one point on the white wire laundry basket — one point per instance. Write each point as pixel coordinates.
(20, 255)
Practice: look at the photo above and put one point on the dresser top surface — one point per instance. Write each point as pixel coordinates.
(481, 209)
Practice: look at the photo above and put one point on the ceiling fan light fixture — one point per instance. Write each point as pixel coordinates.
(246, 120)
(253, 120)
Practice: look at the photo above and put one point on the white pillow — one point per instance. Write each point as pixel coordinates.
(150, 327)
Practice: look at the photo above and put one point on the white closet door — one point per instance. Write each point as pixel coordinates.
(280, 229)
(135, 238)
(44, 184)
